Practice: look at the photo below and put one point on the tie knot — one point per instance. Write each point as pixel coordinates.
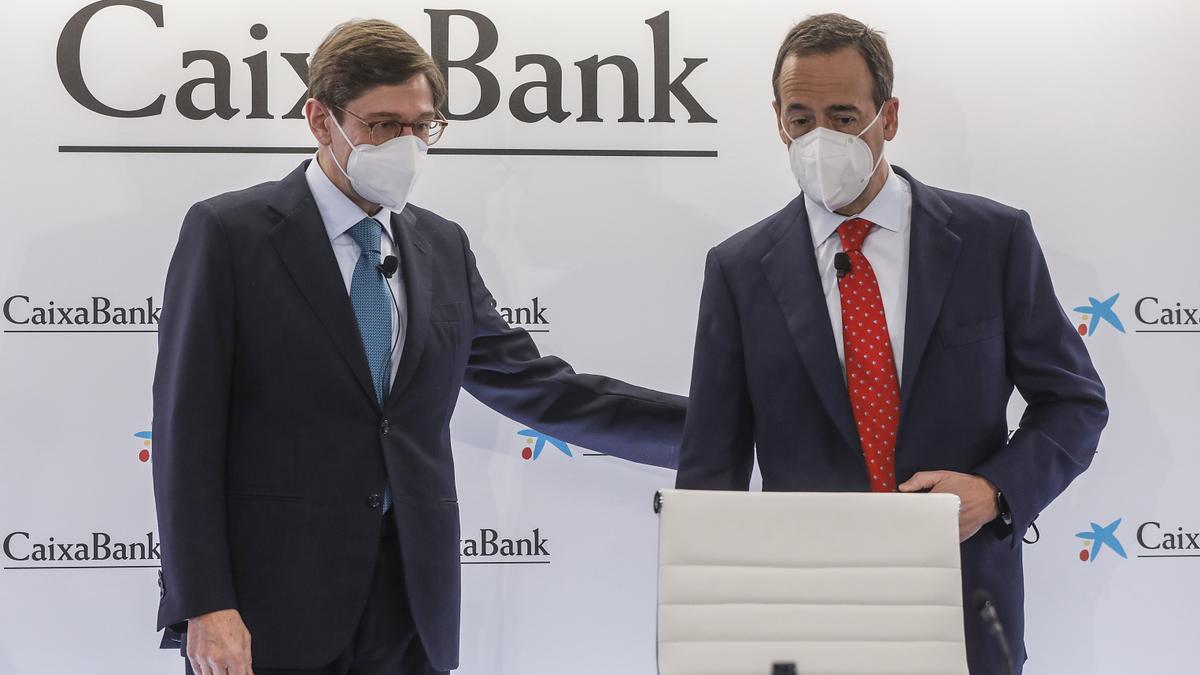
(367, 233)
(853, 233)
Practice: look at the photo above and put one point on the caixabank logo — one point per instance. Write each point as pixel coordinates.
(30, 313)
(543, 86)
(1150, 314)
(24, 549)
(1151, 540)
(144, 452)
(1097, 311)
(1098, 538)
(533, 316)
(493, 547)
(534, 443)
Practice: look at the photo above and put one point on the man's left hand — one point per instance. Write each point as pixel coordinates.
(976, 494)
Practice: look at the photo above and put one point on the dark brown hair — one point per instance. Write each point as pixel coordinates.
(361, 54)
(829, 33)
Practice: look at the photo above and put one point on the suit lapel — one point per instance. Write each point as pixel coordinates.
(301, 241)
(933, 253)
(416, 266)
(791, 271)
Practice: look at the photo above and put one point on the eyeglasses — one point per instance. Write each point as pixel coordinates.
(385, 130)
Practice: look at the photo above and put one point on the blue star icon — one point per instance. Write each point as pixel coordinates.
(1104, 536)
(1102, 310)
(542, 440)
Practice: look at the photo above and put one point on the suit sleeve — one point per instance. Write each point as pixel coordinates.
(718, 439)
(1049, 364)
(506, 372)
(191, 419)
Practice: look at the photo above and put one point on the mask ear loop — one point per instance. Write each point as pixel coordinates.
(349, 142)
(868, 127)
(879, 160)
(783, 128)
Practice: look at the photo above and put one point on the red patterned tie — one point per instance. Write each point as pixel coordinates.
(870, 366)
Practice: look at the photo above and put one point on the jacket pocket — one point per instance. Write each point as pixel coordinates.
(972, 332)
(267, 497)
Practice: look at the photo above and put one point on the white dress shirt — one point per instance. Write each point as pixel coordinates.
(886, 248)
(339, 215)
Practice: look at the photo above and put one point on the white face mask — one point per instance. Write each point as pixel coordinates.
(383, 174)
(832, 168)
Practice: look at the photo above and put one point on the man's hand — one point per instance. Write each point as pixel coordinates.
(977, 496)
(218, 643)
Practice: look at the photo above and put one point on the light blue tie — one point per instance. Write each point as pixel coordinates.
(373, 309)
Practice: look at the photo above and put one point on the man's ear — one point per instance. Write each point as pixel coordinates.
(318, 121)
(891, 118)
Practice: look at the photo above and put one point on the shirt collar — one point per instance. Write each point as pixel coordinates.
(888, 210)
(338, 213)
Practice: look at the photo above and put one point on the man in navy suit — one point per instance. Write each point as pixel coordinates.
(868, 336)
(315, 334)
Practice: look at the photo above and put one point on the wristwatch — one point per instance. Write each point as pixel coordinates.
(1002, 508)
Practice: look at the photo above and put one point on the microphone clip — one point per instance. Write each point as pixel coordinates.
(388, 266)
(841, 263)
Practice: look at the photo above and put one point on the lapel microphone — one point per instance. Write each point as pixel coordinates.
(841, 263)
(391, 263)
(388, 268)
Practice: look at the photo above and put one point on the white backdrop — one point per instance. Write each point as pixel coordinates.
(1080, 112)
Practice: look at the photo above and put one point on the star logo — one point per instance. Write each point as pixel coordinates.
(1099, 538)
(144, 451)
(536, 441)
(1099, 310)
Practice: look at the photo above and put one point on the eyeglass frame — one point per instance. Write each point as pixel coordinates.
(431, 139)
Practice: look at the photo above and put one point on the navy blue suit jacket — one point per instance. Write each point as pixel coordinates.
(271, 450)
(982, 318)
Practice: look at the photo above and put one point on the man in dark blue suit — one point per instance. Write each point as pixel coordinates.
(871, 333)
(315, 334)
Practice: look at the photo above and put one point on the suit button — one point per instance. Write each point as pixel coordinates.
(383, 427)
(375, 501)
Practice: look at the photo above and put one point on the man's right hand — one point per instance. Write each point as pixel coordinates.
(218, 643)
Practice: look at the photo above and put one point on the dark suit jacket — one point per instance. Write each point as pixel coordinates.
(982, 318)
(271, 450)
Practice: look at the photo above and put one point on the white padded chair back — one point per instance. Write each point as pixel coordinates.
(839, 584)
